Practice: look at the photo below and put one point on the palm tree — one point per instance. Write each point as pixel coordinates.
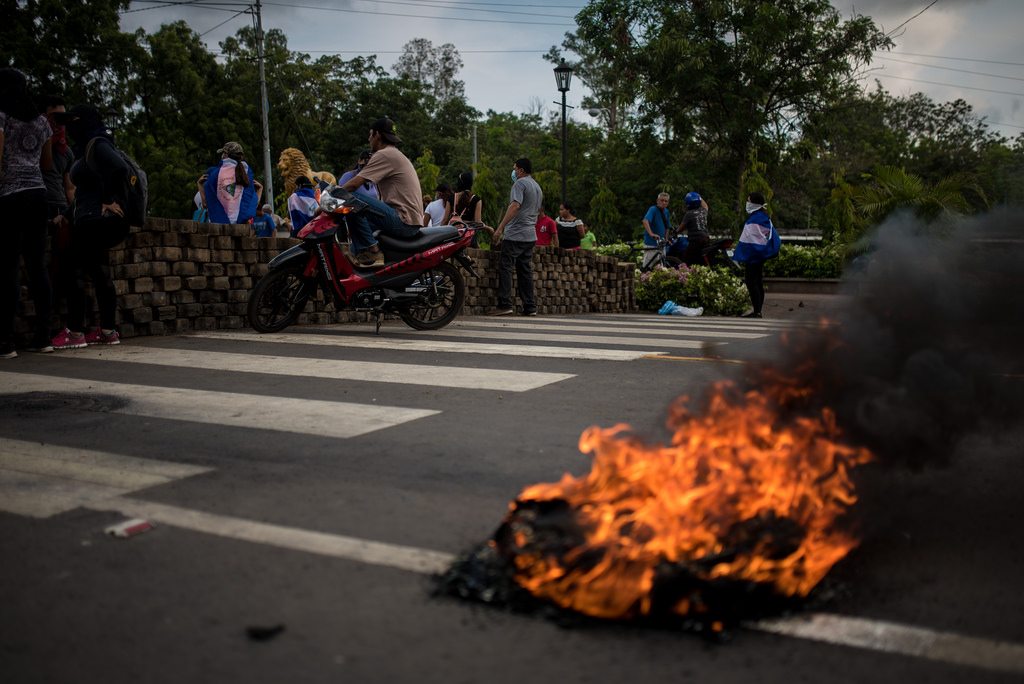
(889, 188)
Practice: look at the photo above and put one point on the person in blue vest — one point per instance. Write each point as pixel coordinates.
(231, 193)
(758, 243)
(301, 204)
(656, 226)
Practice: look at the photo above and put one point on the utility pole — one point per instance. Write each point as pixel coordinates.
(268, 170)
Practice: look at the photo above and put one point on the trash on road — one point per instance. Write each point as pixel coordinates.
(130, 528)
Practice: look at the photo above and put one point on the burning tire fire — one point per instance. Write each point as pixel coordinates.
(738, 504)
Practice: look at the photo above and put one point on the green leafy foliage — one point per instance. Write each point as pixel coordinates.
(804, 261)
(718, 291)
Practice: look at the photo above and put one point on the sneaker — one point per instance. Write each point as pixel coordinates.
(100, 337)
(7, 351)
(529, 313)
(66, 340)
(500, 311)
(370, 259)
(40, 345)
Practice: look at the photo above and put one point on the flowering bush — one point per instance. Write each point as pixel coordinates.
(717, 290)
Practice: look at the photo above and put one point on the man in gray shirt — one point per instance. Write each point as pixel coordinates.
(517, 234)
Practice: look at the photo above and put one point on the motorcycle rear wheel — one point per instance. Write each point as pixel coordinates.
(278, 299)
(442, 299)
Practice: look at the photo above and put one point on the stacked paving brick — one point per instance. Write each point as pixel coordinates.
(177, 276)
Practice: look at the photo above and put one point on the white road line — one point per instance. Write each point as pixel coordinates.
(303, 416)
(512, 334)
(41, 480)
(337, 546)
(675, 330)
(321, 336)
(397, 373)
(633, 319)
(834, 629)
(878, 635)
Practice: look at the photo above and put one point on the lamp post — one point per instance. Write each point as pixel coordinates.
(563, 74)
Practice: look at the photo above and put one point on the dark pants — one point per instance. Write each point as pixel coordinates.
(24, 232)
(753, 274)
(87, 255)
(693, 256)
(517, 256)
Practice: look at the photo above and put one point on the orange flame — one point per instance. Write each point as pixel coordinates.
(737, 495)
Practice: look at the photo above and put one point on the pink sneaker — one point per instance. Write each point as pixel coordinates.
(100, 337)
(66, 340)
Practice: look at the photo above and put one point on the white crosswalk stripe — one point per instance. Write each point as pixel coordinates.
(43, 480)
(305, 416)
(422, 344)
(406, 374)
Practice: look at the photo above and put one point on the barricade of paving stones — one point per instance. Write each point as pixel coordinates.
(176, 276)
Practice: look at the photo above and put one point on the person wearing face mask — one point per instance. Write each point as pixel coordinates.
(758, 242)
(369, 189)
(25, 153)
(94, 222)
(516, 236)
(60, 191)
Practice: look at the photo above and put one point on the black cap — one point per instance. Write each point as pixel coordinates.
(387, 129)
(303, 182)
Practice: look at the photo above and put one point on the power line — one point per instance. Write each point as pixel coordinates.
(946, 85)
(962, 71)
(421, 16)
(432, 5)
(912, 18)
(961, 59)
(160, 4)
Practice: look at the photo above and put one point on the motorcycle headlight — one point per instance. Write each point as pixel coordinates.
(329, 203)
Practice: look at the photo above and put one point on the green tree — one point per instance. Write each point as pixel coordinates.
(427, 171)
(733, 74)
(71, 48)
(436, 68)
(604, 213)
(889, 188)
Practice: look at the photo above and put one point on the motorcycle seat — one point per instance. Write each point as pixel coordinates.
(422, 241)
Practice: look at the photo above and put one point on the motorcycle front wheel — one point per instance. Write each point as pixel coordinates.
(442, 294)
(278, 299)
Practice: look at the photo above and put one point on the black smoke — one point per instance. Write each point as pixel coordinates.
(930, 348)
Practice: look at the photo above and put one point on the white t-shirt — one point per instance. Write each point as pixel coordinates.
(436, 211)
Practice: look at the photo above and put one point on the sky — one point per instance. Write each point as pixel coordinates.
(946, 49)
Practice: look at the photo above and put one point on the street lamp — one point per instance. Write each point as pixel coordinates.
(563, 74)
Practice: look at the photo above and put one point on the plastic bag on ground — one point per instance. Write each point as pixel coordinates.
(670, 308)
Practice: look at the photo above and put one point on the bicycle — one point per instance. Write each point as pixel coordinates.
(637, 249)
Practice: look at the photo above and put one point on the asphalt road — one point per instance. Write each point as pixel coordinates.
(313, 481)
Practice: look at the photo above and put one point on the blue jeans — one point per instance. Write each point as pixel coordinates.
(361, 226)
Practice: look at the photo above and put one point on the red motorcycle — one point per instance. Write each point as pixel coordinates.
(418, 283)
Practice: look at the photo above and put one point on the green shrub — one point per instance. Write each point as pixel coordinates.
(805, 261)
(618, 250)
(717, 290)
